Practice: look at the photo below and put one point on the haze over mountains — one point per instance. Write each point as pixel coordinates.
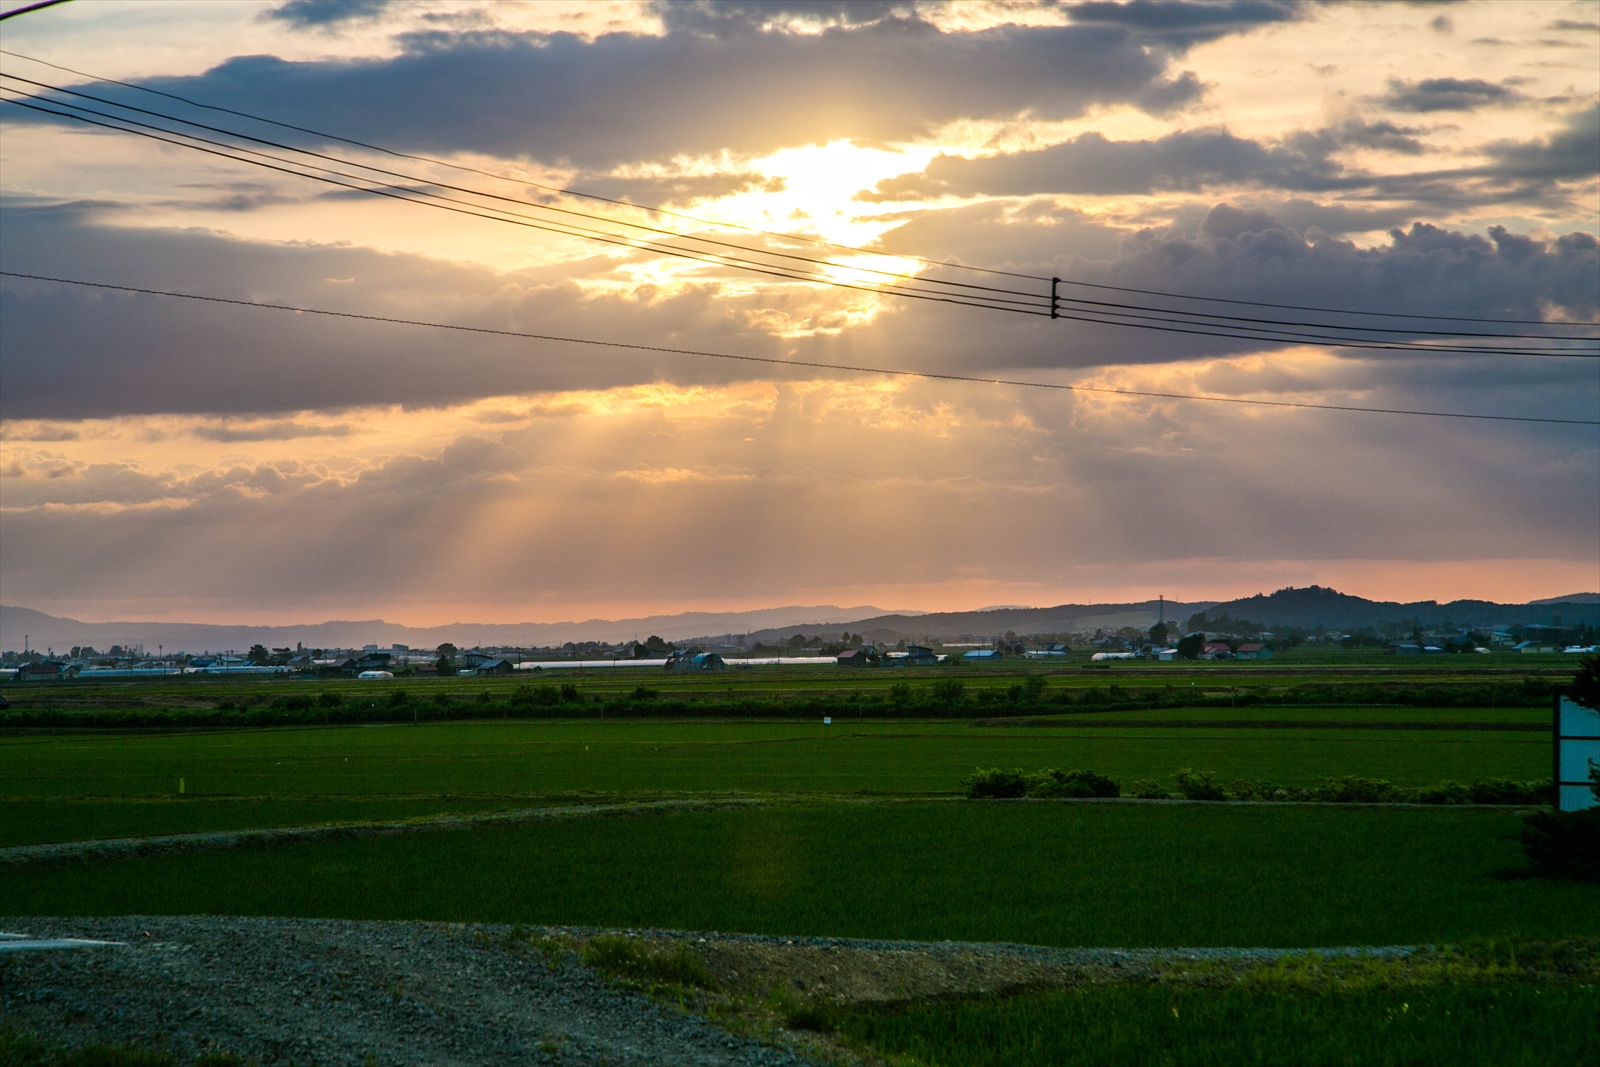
(1313, 607)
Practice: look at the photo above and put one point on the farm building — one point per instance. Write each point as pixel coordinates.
(46, 672)
(698, 661)
(494, 668)
(857, 657)
(1253, 651)
(983, 655)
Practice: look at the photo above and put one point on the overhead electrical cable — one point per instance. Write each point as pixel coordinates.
(800, 237)
(807, 364)
(811, 239)
(1110, 315)
(832, 264)
(397, 193)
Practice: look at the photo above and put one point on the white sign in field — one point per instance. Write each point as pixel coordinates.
(1577, 736)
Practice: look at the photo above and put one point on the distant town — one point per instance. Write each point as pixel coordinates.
(1200, 637)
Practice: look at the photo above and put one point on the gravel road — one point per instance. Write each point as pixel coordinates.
(334, 993)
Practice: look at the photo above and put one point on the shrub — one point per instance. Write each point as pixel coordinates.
(1506, 791)
(569, 693)
(1079, 784)
(330, 699)
(1145, 789)
(1354, 790)
(1563, 844)
(900, 693)
(1198, 785)
(1245, 789)
(534, 696)
(634, 961)
(296, 703)
(398, 697)
(948, 690)
(996, 783)
(641, 692)
(1446, 792)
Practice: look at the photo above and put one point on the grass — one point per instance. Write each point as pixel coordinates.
(1158, 1026)
(566, 757)
(1038, 873)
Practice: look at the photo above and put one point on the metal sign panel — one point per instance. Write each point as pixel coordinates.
(1577, 742)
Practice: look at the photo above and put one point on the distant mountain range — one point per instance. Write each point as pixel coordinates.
(48, 631)
(1313, 607)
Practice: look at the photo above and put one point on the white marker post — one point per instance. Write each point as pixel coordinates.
(1577, 742)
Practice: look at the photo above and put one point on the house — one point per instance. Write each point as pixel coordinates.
(920, 656)
(1165, 655)
(493, 668)
(983, 655)
(46, 672)
(696, 661)
(1253, 651)
(1216, 650)
(857, 657)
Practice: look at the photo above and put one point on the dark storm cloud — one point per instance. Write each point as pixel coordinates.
(1091, 164)
(1536, 172)
(1446, 94)
(620, 98)
(320, 14)
(733, 17)
(677, 188)
(1182, 24)
(126, 354)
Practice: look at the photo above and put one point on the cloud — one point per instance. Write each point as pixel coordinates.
(795, 486)
(1447, 94)
(597, 103)
(670, 189)
(1536, 172)
(734, 17)
(1184, 24)
(129, 354)
(271, 431)
(324, 14)
(1187, 161)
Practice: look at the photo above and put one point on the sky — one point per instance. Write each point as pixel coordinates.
(162, 458)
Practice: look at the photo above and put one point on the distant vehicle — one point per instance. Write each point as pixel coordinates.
(375, 676)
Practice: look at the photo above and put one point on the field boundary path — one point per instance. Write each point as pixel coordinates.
(123, 847)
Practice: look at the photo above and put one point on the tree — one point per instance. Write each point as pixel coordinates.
(447, 649)
(1158, 633)
(1191, 645)
(258, 655)
(446, 666)
(1585, 686)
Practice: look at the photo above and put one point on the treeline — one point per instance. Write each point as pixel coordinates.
(944, 698)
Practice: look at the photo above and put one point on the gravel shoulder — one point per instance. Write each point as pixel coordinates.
(333, 992)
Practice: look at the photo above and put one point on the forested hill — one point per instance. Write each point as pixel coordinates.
(1316, 607)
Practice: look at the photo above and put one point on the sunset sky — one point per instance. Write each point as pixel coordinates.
(167, 459)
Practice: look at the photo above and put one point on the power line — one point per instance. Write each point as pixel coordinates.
(808, 364)
(397, 192)
(790, 236)
(1094, 315)
(1032, 297)
(25, 9)
(804, 238)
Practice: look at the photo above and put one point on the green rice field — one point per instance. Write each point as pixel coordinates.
(1041, 873)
